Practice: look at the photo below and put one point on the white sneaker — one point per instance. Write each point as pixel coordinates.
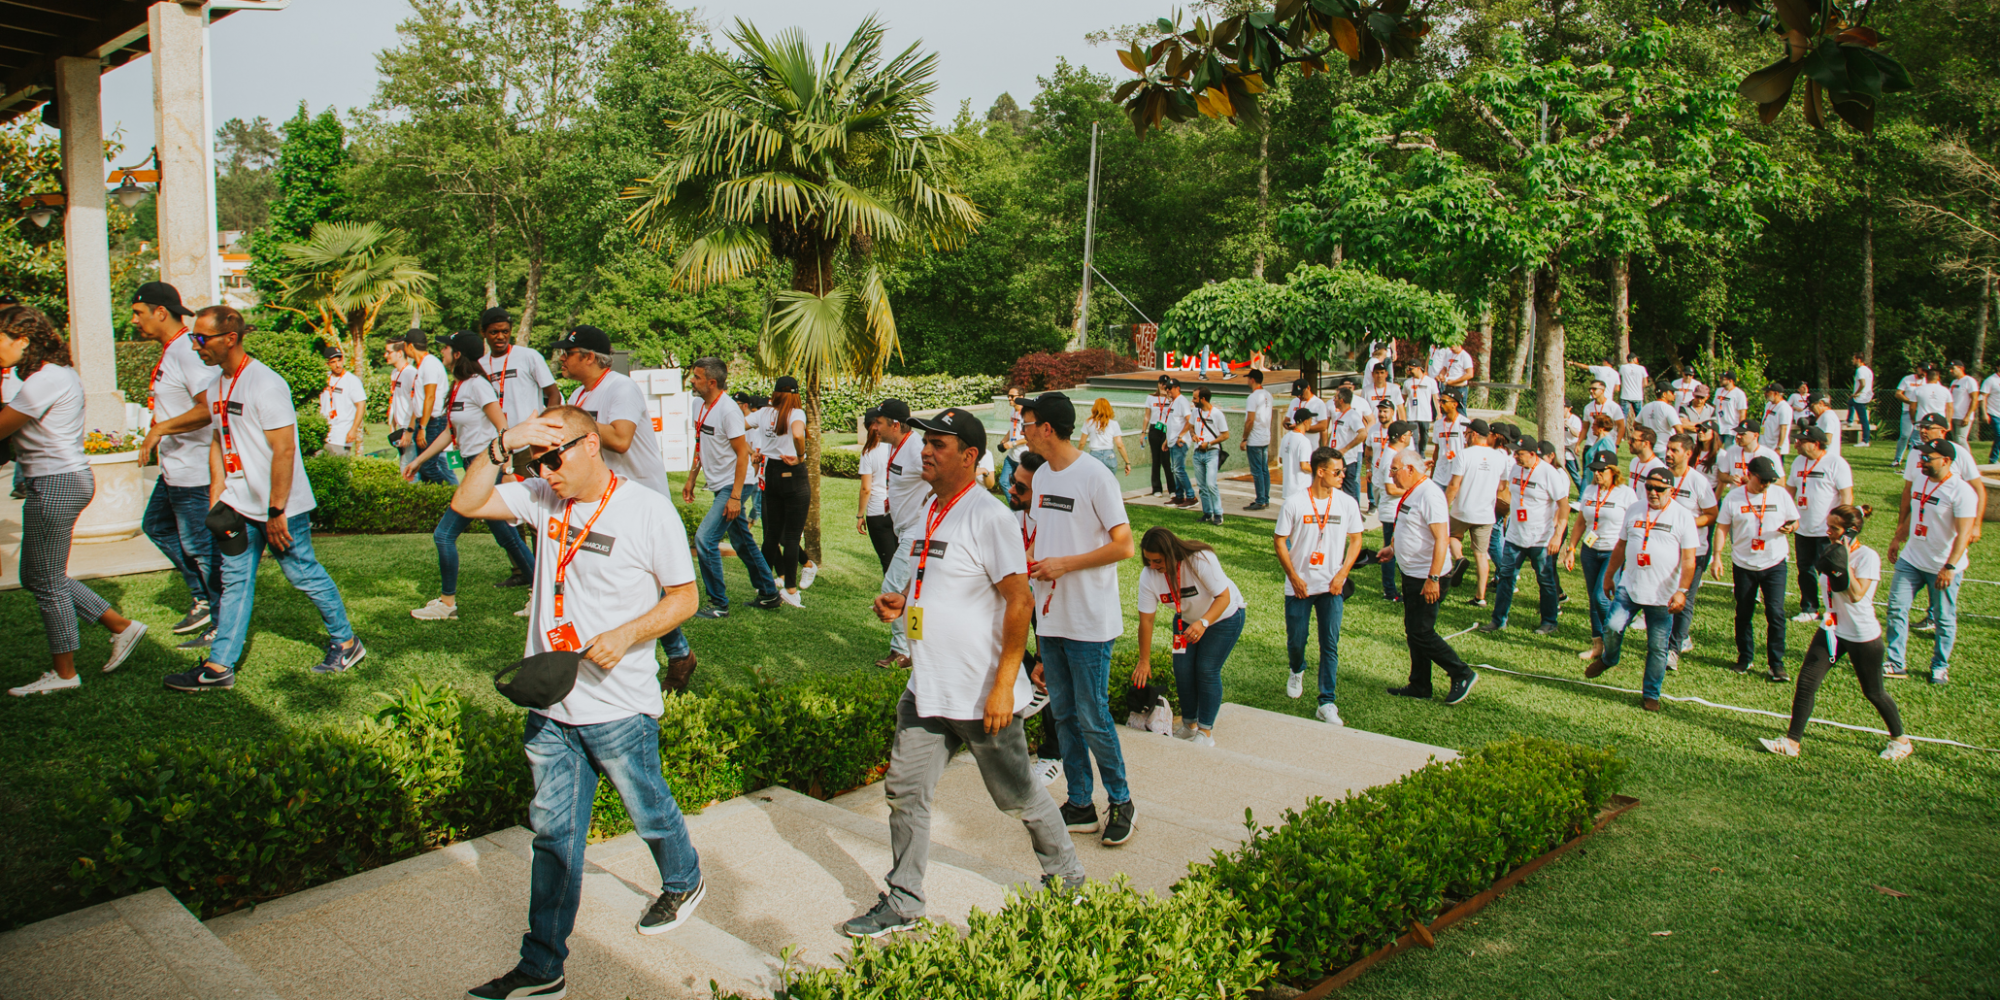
(1590, 654)
(1784, 747)
(1898, 749)
(1047, 771)
(1329, 715)
(1183, 731)
(436, 611)
(1805, 616)
(48, 683)
(122, 645)
(1295, 685)
(1687, 644)
(1202, 739)
(523, 613)
(808, 575)
(792, 598)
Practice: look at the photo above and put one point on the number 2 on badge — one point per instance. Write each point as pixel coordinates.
(917, 624)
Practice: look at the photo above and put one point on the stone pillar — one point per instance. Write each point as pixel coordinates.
(86, 242)
(179, 36)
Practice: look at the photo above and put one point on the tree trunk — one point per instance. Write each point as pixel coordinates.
(1263, 196)
(533, 295)
(357, 341)
(1337, 248)
(1979, 334)
(1518, 368)
(1621, 305)
(1551, 382)
(1867, 275)
(1485, 351)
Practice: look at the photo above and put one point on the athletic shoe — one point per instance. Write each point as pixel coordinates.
(1047, 771)
(712, 612)
(1216, 520)
(1329, 715)
(1687, 644)
(1894, 671)
(202, 641)
(1118, 819)
(1596, 650)
(517, 984)
(1805, 616)
(123, 643)
(1673, 659)
(49, 683)
(1295, 685)
(1079, 819)
(894, 661)
(1477, 602)
(1411, 691)
(792, 598)
(1484, 627)
(1898, 749)
(524, 612)
(808, 575)
(1202, 739)
(1597, 668)
(769, 602)
(672, 909)
(1650, 704)
(1393, 598)
(197, 619)
(1777, 677)
(1937, 677)
(515, 579)
(340, 658)
(1457, 572)
(1460, 688)
(1256, 506)
(1741, 668)
(1784, 747)
(1038, 699)
(1546, 628)
(1183, 731)
(199, 679)
(880, 920)
(436, 611)
(679, 670)
(1925, 624)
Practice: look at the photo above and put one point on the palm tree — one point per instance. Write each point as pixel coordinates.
(824, 163)
(341, 276)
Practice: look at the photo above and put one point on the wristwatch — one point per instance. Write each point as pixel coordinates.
(275, 513)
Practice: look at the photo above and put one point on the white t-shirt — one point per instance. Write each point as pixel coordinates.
(717, 425)
(1829, 422)
(1531, 521)
(905, 484)
(1864, 384)
(1604, 514)
(957, 621)
(519, 377)
(262, 401)
(1931, 398)
(635, 549)
(616, 397)
(1075, 509)
(757, 428)
(1479, 470)
(1991, 390)
(1632, 382)
(1310, 527)
(1608, 408)
(1684, 388)
(1934, 511)
(1730, 406)
(1777, 417)
(1654, 541)
(1317, 405)
(1104, 438)
(1661, 417)
(1962, 466)
(1450, 436)
(1437, 356)
(431, 373)
(1375, 394)
(1201, 582)
(1855, 621)
(1907, 386)
(1962, 390)
(1753, 523)
(1695, 492)
(340, 403)
(1350, 426)
(875, 465)
(401, 405)
(1256, 420)
(1206, 427)
(51, 442)
(1157, 405)
(1418, 509)
(1736, 463)
(1178, 412)
(1457, 365)
(1816, 487)
(1798, 401)
(1572, 432)
(1637, 468)
(1607, 375)
(1422, 393)
(1379, 468)
(182, 377)
(1295, 449)
(780, 445)
(470, 429)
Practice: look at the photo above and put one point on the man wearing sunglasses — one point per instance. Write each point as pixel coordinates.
(177, 396)
(1656, 552)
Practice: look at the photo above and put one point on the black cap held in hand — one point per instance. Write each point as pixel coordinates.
(541, 680)
(231, 537)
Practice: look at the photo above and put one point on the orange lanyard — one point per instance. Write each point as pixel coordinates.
(1805, 474)
(933, 518)
(505, 359)
(892, 457)
(1175, 586)
(155, 378)
(1759, 510)
(1323, 516)
(1646, 528)
(1924, 498)
(1597, 508)
(699, 422)
(332, 401)
(592, 387)
(569, 549)
(449, 402)
(1405, 498)
(229, 442)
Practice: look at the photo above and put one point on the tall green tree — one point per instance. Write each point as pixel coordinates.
(310, 189)
(340, 277)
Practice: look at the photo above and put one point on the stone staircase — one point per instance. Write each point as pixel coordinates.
(783, 870)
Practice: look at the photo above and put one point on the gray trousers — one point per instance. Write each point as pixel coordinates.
(48, 518)
(923, 748)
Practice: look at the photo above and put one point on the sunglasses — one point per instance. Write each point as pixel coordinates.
(551, 461)
(1650, 488)
(202, 339)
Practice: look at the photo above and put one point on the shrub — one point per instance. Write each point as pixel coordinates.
(368, 496)
(1069, 368)
(291, 355)
(313, 430)
(135, 367)
(840, 463)
(376, 382)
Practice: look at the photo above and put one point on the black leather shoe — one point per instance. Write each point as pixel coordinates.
(1411, 691)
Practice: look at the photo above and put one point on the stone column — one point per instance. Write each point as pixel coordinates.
(86, 242)
(179, 36)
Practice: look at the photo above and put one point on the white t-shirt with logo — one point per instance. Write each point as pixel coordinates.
(262, 401)
(1422, 393)
(1632, 382)
(1312, 526)
(1753, 523)
(1457, 365)
(1206, 427)
(1777, 417)
(1654, 541)
(1684, 388)
(1604, 514)
(1962, 466)
(779, 445)
(1661, 417)
(1479, 470)
(1294, 450)
(1075, 509)
(1991, 390)
(401, 406)
(519, 378)
(1317, 405)
(875, 465)
(1736, 463)
(905, 484)
(1637, 468)
(51, 442)
(1935, 508)
(1962, 390)
(957, 621)
(1931, 398)
(1855, 621)
(616, 397)
(1375, 394)
(1816, 487)
(1101, 437)
(1607, 375)
(716, 426)
(1536, 493)
(183, 376)
(1694, 492)
(1350, 426)
(1416, 510)
(1201, 581)
(1450, 436)
(470, 429)
(1730, 406)
(1256, 420)
(635, 549)
(340, 403)
(431, 374)
(1178, 412)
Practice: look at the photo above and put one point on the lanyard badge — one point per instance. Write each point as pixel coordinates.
(232, 463)
(567, 550)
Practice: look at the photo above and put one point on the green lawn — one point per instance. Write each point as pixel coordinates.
(1764, 869)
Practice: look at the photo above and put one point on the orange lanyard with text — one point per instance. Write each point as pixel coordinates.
(699, 422)
(1925, 498)
(933, 518)
(567, 549)
(155, 378)
(231, 461)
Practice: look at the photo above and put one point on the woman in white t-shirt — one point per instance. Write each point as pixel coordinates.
(1207, 619)
(1849, 574)
(1103, 438)
(873, 519)
(43, 424)
(787, 495)
(1600, 520)
(472, 412)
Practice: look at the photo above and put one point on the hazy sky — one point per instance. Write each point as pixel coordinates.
(323, 51)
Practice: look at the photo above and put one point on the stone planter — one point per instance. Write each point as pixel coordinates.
(119, 505)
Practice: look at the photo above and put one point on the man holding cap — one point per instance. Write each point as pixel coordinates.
(341, 403)
(1421, 553)
(1938, 521)
(1655, 553)
(1081, 535)
(1318, 538)
(177, 397)
(1538, 507)
(259, 496)
(967, 605)
(612, 575)
(428, 419)
(520, 377)
(722, 455)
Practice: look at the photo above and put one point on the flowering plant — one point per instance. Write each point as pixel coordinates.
(106, 443)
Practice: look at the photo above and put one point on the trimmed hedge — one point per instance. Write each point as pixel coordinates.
(367, 496)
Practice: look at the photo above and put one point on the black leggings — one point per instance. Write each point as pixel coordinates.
(1156, 444)
(1867, 660)
(1809, 549)
(882, 535)
(786, 498)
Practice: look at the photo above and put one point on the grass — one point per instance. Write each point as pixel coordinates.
(1764, 869)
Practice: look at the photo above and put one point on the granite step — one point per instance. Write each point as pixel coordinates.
(142, 947)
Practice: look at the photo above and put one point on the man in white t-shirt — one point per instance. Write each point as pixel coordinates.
(342, 403)
(1964, 394)
(1732, 405)
(1755, 519)
(1422, 554)
(1295, 453)
(1861, 399)
(1537, 510)
(1421, 391)
(612, 575)
(906, 493)
(402, 401)
(722, 457)
(1631, 386)
(1684, 388)
(1989, 412)
(1601, 402)
(1604, 373)
(1934, 396)
(1158, 403)
(1318, 538)
(1304, 395)
(259, 497)
(1257, 440)
(968, 606)
(1776, 432)
(1457, 371)
(1825, 419)
(1735, 461)
(177, 398)
(1380, 390)
(1656, 554)
(1450, 437)
(1081, 535)
(1934, 427)
(1381, 471)
(1350, 435)
(1661, 414)
(1820, 480)
(1939, 520)
(1691, 489)
(520, 376)
(429, 418)
(1180, 437)
(1473, 493)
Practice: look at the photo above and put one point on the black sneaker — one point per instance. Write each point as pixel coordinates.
(197, 619)
(712, 612)
(1741, 668)
(1460, 688)
(340, 658)
(1118, 823)
(516, 579)
(199, 679)
(202, 641)
(518, 984)
(1926, 624)
(1457, 572)
(768, 603)
(1079, 819)
(1411, 691)
(1546, 628)
(878, 921)
(1477, 602)
(1487, 627)
(1778, 677)
(672, 909)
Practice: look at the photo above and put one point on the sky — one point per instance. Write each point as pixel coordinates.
(323, 51)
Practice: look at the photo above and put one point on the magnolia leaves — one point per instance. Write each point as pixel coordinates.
(1842, 66)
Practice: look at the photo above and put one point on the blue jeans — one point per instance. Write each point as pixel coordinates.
(1391, 575)
(1106, 455)
(1259, 457)
(1350, 483)
(1659, 630)
(1299, 612)
(753, 500)
(1906, 434)
(1993, 431)
(435, 470)
(1858, 413)
(176, 522)
(1594, 565)
(1078, 675)
(1177, 458)
(1511, 557)
(1198, 672)
(708, 549)
(566, 761)
(453, 524)
(1684, 622)
(1205, 463)
(239, 588)
(1575, 470)
(895, 580)
(1903, 589)
(1631, 407)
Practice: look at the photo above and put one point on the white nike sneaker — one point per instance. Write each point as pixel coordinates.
(792, 598)
(1295, 685)
(1329, 715)
(808, 575)
(436, 611)
(1782, 746)
(523, 613)
(1898, 749)
(123, 643)
(49, 682)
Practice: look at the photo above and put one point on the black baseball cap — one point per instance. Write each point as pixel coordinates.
(1813, 434)
(1053, 409)
(868, 415)
(1479, 426)
(330, 351)
(895, 409)
(466, 342)
(1546, 447)
(1527, 444)
(541, 680)
(1817, 397)
(1763, 468)
(785, 383)
(1398, 428)
(231, 537)
(1746, 427)
(1603, 460)
(1933, 420)
(496, 314)
(1777, 387)
(1941, 448)
(585, 338)
(1302, 415)
(741, 397)
(159, 293)
(1661, 476)
(1384, 404)
(959, 423)
(417, 339)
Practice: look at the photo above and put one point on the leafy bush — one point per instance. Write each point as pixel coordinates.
(135, 367)
(291, 355)
(840, 463)
(1035, 372)
(367, 496)
(376, 382)
(313, 430)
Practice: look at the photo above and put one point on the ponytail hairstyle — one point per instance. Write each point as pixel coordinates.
(45, 345)
(1852, 517)
(783, 403)
(1175, 549)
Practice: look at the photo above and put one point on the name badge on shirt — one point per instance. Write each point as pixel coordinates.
(917, 624)
(563, 637)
